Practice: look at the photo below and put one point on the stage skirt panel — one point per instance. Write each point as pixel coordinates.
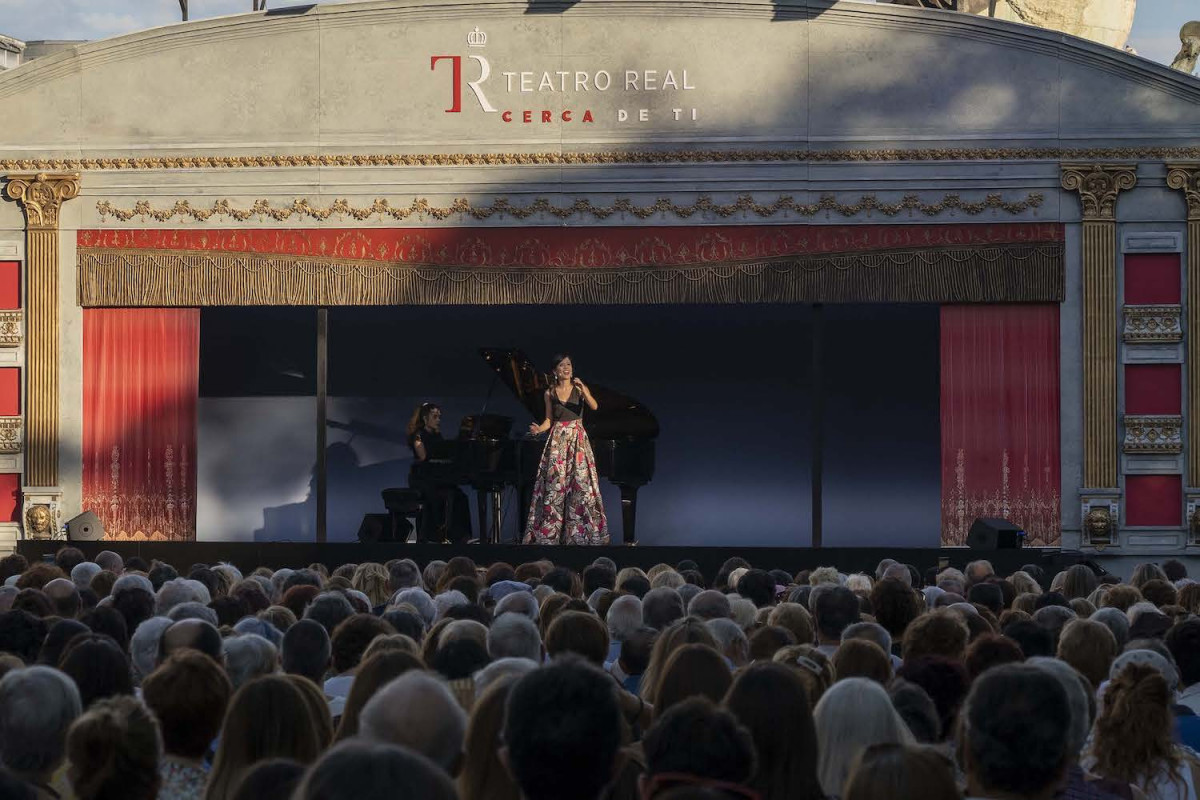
(567, 507)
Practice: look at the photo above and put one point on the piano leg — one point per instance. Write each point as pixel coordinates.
(496, 517)
(481, 506)
(629, 514)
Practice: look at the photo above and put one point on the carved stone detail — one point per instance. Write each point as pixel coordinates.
(1098, 186)
(1153, 434)
(1153, 324)
(41, 512)
(11, 435)
(41, 196)
(12, 323)
(1186, 178)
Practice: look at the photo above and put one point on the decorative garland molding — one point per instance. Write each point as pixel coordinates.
(1153, 434)
(612, 157)
(165, 278)
(1153, 324)
(11, 440)
(421, 208)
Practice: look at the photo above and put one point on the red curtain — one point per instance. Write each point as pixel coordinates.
(140, 384)
(1000, 423)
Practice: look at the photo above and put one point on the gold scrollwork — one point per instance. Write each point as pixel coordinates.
(420, 207)
(1098, 186)
(41, 196)
(611, 157)
(1186, 178)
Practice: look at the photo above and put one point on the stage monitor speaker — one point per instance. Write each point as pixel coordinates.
(989, 533)
(375, 528)
(87, 527)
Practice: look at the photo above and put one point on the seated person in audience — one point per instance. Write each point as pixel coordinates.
(191, 634)
(37, 707)
(697, 744)
(358, 770)
(189, 694)
(114, 751)
(573, 758)
(417, 711)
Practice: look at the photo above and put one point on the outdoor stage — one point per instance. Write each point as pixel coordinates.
(247, 556)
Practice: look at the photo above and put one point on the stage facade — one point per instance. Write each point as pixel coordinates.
(947, 267)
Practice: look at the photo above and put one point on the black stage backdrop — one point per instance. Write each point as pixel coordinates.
(732, 388)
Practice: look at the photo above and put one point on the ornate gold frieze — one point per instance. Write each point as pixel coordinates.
(1186, 178)
(156, 278)
(41, 197)
(1153, 324)
(10, 435)
(1098, 186)
(1153, 433)
(612, 157)
(422, 208)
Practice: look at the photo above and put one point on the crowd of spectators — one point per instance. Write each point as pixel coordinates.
(134, 681)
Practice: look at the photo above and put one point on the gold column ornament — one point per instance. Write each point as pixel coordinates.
(41, 197)
(1098, 186)
(1186, 178)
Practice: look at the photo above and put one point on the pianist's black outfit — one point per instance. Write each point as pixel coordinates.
(445, 515)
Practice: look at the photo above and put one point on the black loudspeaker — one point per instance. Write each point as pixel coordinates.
(375, 528)
(988, 533)
(87, 527)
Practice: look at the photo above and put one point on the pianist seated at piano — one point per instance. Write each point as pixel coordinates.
(445, 515)
(567, 507)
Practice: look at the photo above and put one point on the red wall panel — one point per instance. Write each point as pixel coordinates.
(1153, 389)
(1152, 278)
(10, 284)
(1153, 500)
(10, 497)
(10, 391)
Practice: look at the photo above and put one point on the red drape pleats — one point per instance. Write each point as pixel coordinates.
(140, 384)
(1000, 423)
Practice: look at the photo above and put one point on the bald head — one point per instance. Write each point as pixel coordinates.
(417, 711)
(190, 634)
(111, 561)
(65, 597)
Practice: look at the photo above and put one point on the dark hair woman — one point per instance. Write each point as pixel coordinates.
(445, 515)
(566, 506)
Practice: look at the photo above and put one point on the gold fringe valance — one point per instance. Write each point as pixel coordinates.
(156, 278)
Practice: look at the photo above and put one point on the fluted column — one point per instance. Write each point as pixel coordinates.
(1186, 178)
(41, 197)
(1098, 186)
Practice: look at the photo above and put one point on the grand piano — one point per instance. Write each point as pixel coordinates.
(622, 432)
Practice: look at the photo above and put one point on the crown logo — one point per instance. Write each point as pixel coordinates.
(477, 38)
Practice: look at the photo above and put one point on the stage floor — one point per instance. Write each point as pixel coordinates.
(249, 555)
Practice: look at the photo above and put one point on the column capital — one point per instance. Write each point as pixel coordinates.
(1186, 178)
(41, 196)
(1098, 186)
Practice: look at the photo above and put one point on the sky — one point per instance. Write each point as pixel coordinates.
(1155, 29)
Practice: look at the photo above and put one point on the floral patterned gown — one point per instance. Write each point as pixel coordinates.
(567, 507)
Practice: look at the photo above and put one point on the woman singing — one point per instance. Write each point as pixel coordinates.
(567, 507)
(445, 515)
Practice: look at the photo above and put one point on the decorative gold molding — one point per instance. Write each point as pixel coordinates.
(12, 323)
(158, 278)
(611, 157)
(1098, 186)
(10, 435)
(1153, 324)
(41, 197)
(421, 207)
(1153, 433)
(1186, 178)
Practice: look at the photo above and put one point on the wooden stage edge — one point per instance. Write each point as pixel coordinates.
(249, 555)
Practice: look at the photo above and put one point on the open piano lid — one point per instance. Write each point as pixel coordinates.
(619, 416)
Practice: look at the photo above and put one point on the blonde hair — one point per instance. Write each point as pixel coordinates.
(658, 569)
(626, 574)
(858, 582)
(853, 715)
(1024, 583)
(813, 667)
(824, 575)
(372, 580)
(669, 579)
(391, 643)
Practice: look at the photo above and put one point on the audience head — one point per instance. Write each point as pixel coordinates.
(918, 711)
(37, 707)
(418, 711)
(697, 743)
(941, 633)
(901, 772)
(514, 636)
(1016, 730)
(99, 668)
(661, 607)
(360, 770)
(189, 694)
(114, 751)
(852, 715)
(248, 657)
(710, 604)
(834, 610)
(191, 634)
(562, 729)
